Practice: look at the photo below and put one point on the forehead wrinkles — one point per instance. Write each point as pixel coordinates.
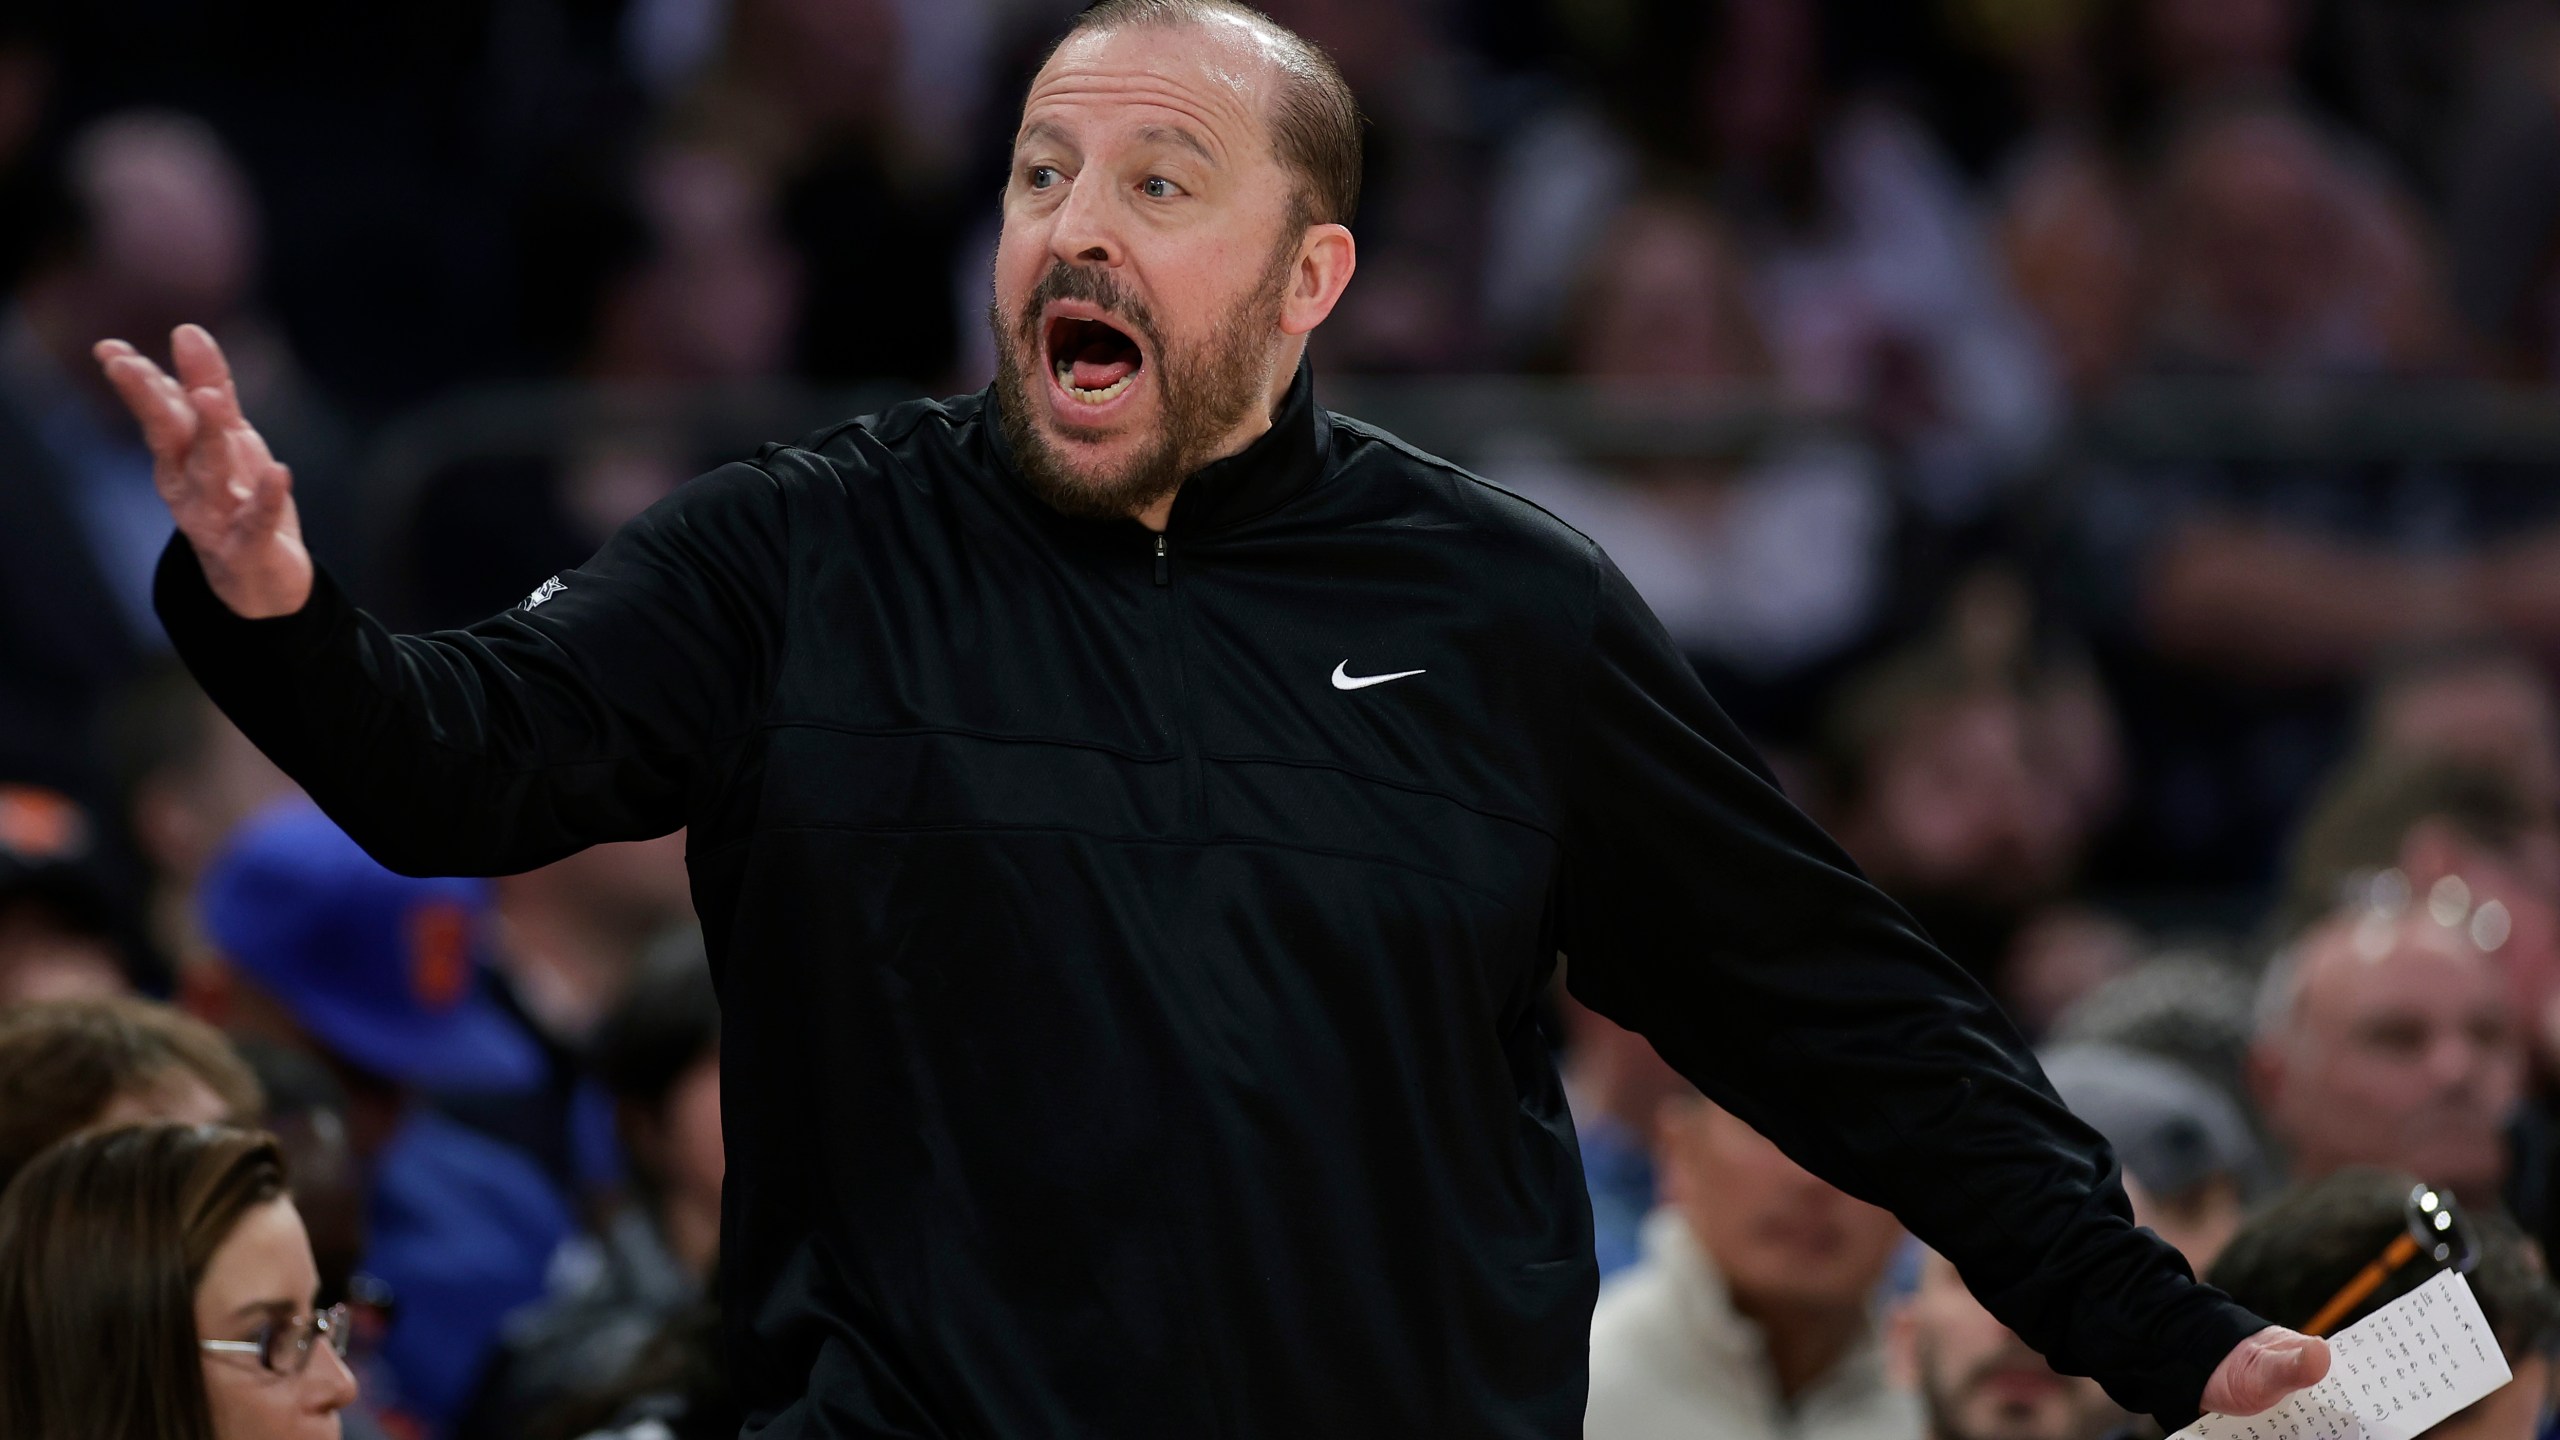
(1215, 93)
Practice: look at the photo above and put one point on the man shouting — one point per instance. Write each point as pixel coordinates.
(1134, 813)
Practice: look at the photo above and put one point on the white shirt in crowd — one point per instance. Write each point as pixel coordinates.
(1671, 1359)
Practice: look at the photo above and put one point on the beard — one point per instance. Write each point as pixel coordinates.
(1956, 1412)
(1206, 389)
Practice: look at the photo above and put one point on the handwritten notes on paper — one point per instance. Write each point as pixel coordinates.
(2392, 1374)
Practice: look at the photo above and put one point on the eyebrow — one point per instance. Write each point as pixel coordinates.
(263, 1307)
(1176, 135)
(1044, 130)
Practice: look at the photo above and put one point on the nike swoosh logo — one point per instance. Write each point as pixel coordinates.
(1342, 681)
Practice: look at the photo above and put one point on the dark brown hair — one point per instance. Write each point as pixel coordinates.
(62, 1062)
(1315, 121)
(2292, 1256)
(2363, 817)
(102, 1242)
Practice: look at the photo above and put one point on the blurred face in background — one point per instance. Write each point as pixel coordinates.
(1143, 281)
(1962, 800)
(173, 228)
(1666, 302)
(262, 1276)
(2498, 711)
(2258, 232)
(1978, 1380)
(1782, 1239)
(2398, 1049)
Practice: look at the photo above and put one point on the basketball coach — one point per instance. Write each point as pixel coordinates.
(1134, 813)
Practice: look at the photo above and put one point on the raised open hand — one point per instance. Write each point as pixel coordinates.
(231, 498)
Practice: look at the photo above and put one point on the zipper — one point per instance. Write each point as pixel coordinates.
(1186, 743)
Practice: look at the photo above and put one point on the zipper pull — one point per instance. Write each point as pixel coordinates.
(1164, 567)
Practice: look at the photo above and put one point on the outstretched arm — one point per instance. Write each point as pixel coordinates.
(1704, 911)
(607, 711)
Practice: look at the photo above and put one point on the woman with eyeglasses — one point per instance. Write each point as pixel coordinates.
(156, 1284)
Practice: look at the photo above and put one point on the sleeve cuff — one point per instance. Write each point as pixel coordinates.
(2217, 1330)
(198, 621)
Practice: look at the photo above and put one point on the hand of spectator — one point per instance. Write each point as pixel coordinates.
(2263, 1369)
(231, 498)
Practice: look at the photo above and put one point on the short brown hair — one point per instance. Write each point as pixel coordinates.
(64, 1061)
(2364, 815)
(103, 1240)
(1315, 120)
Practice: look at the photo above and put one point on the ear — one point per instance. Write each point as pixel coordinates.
(1326, 257)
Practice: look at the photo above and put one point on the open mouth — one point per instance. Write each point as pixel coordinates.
(1093, 361)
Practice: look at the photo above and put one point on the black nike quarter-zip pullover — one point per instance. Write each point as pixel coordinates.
(1127, 942)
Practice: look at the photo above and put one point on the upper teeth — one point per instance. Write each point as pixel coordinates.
(1066, 382)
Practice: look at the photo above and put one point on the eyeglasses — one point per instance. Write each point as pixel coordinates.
(284, 1346)
(2436, 1230)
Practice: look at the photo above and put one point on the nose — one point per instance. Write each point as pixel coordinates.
(329, 1385)
(1085, 231)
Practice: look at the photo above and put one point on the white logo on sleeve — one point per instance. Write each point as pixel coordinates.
(1342, 681)
(542, 592)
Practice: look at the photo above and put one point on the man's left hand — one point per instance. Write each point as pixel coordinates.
(2263, 1369)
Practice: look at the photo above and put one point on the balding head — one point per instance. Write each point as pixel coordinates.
(2384, 1039)
(1314, 122)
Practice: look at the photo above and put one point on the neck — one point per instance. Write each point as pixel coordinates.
(1805, 1342)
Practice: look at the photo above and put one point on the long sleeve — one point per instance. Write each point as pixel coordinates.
(595, 712)
(1703, 910)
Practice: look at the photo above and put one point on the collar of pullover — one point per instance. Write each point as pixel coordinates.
(1283, 461)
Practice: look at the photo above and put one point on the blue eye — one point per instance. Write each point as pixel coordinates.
(1044, 176)
(1159, 188)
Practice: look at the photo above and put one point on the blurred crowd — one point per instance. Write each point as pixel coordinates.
(2234, 772)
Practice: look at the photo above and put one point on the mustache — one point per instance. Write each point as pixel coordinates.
(1094, 286)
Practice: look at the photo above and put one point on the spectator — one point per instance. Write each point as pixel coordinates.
(187, 778)
(161, 227)
(380, 976)
(1764, 567)
(805, 96)
(2454, 832)
(2483, 702)
(2185, 1142)
(62, 933)
(1616, 1086)
(2060, 955)
(1978, 1381)
(2190, 1006)
(307, 1115)
(155, 1284)
(1754, 1311)
(71, 1066)
(2239, 598)
(1970, 773)
(2301, 1251)
(616, 1289)
(2384, 1038)
(573, 931)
